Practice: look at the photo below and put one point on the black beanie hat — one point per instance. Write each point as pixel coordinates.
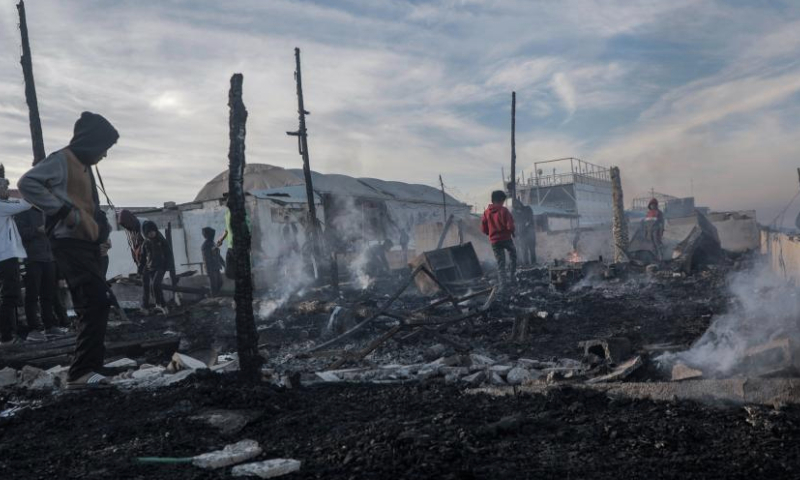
(93, 135)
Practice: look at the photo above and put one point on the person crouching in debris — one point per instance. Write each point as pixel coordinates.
(654, 226)
(213, 260)
(11, 250)
(156, 258)
(63, 187)
(498, 224)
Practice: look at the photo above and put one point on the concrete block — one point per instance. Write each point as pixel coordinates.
(682, 372)
(619, 373)
(8, 377)
(267, 469)
(230, 455)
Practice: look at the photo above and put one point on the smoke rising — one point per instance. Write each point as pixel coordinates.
(764, 308)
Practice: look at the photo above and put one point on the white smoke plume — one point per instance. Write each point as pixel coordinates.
(764, 308)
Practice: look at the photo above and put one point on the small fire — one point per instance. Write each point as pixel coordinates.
(574, 257)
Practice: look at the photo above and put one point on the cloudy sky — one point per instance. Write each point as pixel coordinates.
(683, 95)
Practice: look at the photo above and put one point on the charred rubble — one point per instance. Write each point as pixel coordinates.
(576, 367)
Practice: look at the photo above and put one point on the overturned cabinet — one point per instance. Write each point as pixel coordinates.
(454, 267)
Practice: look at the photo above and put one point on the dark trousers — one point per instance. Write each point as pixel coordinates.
(9, 296)
(499, 250)
(79, 262)
(40, 292)
(215, 281)
(153, 279)
(104, 265)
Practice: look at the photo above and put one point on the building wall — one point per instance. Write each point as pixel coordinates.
(594, 203)
(783, 254)
(738, 231)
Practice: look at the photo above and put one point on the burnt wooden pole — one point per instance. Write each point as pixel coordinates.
(302, 144)
(246, 335)
(512, 185)
(30, 88)
(444, 200)
(620, 222)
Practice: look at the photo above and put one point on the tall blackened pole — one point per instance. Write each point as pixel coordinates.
(30, 88)
(302, 144)
(512, 185)
(246, 335)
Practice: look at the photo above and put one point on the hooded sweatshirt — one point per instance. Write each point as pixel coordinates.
(156, 254)
(498, 223)
(63, 186)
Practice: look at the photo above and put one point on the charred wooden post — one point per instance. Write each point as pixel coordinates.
(302, 144)
(512, 185)
(620, 226)
(30, 88)
(246, 336)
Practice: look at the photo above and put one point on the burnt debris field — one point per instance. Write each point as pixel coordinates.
(529, 387)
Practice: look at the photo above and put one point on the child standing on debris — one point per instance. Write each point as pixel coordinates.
(63, 187)
(498, 224)
(156, 258)
(213, 260)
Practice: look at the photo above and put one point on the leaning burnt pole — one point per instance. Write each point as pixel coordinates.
(302, 145)
(246, 335)
(30, 88)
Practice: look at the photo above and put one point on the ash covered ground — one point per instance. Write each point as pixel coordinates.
(424, 427)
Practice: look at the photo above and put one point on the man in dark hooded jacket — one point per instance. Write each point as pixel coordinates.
(213, 260)
(63, 187)
(156, 257)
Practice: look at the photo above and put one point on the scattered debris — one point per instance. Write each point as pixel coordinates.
(267, 469)
(183, 362)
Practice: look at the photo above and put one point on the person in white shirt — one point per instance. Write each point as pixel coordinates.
(11, 251)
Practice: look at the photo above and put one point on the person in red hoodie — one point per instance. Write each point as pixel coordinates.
(498, 224)
(654, 226)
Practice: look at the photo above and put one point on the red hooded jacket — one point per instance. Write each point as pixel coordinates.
(498, 223)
